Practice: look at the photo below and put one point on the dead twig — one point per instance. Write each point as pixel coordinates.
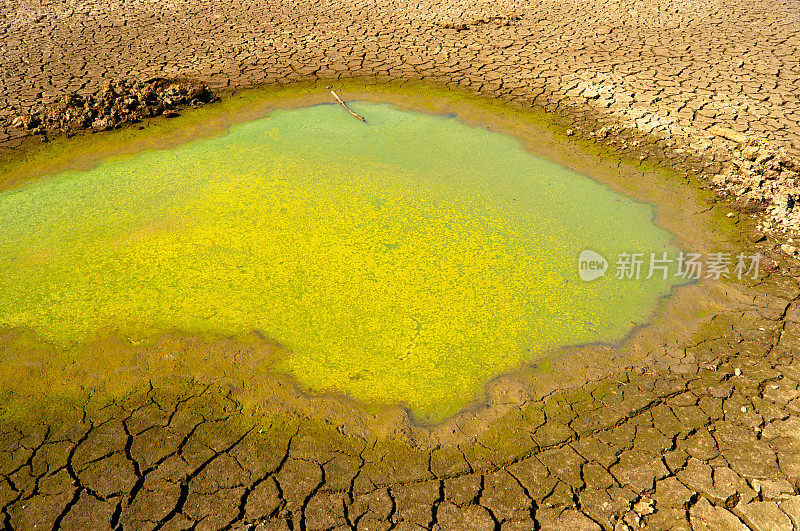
(343, 104)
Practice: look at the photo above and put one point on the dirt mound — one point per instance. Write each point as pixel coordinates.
(119, 103)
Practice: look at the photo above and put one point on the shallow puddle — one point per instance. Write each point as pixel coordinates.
(407, 260)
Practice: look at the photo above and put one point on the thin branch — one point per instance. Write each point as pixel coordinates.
(343, 104)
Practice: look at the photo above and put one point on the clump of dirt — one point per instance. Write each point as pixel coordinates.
(118, 104)
(507, 19)
(763, 179)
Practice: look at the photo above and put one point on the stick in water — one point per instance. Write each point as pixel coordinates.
(343, 104)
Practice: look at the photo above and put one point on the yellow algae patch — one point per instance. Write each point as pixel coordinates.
(406, 261)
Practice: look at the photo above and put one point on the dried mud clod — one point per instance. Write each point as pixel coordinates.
(119, 103)
(762, 179)
(507, 19)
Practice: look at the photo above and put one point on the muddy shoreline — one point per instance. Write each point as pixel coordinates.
(709, 386)
(677, 209)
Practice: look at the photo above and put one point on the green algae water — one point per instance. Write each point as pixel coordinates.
(408, 260)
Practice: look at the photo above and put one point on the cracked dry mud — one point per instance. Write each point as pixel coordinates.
(704, 436)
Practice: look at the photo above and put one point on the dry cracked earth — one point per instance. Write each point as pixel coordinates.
(708, 437)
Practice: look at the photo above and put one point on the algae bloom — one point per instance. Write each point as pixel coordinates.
(408, 260)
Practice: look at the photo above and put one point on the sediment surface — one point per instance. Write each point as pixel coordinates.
(707, 436)
(679, 67)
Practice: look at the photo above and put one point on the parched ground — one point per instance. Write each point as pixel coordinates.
(708, 438)
(672, 66)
